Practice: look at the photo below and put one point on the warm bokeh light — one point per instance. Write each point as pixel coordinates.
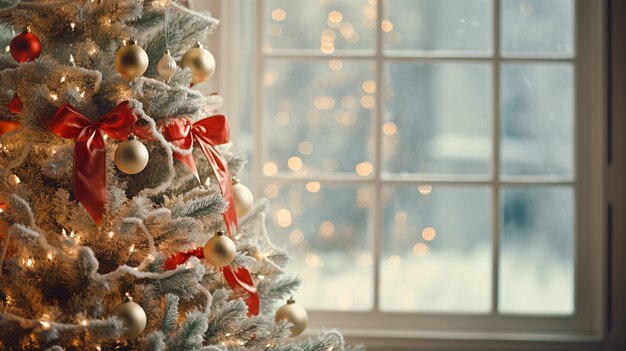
(429, 233)
(294, 163)
(305, 147)
(279, 15)
(394, 261)
(274, 30)
(386, 26)
(327, 228)
(364, 168)
(425, 189)
(271, 191)
(324, 102)
(335, 65)
(283, 218)
(313, 187)
(270, 169)
(296, 237)
(368, 101)
(401, 216)
(420, 250)
(270, 77)
(335, 17)
(390, 128)
(369, 86)
(282, 118)
(313, 260)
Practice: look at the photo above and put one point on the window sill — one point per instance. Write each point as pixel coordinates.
(389, 340)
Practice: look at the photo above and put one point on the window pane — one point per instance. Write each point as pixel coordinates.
(531, 27)
(437, 118)
(438, 25)
(326, 232)
(323, 26)
(318, 116)
(537, 120)
(537, 242)
(437, 249)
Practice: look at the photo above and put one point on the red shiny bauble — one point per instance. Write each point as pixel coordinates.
(15, 104)
(25, 47)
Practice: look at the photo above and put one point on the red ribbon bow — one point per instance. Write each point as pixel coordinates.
(206, 133)
(89, 152)
(9, 126)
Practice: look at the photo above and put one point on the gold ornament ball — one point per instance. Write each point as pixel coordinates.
(133, 317)
(220, 250)
(131, 156)
(131, 60)
(294, 314)
(200, 61)
(243, 198)
(167, 66)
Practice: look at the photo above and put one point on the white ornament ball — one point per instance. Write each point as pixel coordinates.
(220, 250)
(200, 61)
(131, 156)
(167, 66)
(243, 198)
(131, 60)
(133, 317)
(294, 314)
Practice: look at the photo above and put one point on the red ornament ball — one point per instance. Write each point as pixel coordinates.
(25, 47)
(15, 104)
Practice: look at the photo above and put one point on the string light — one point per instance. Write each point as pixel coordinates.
(54, 96)
(132, 248)
(16, 179)
(73, 26)
(72, 61)
(62, 79)
(50, 256)
(110, 234)
(44, 324)
(84, 322)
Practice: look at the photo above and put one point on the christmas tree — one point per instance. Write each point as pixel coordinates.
(115, 173)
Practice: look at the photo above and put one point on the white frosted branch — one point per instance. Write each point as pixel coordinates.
(139, 223)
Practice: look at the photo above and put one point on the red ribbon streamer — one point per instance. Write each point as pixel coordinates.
(9, 126)
(242, 279)
(206, 133)
(89, 152)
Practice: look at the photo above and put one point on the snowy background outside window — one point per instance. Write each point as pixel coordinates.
(437, 125)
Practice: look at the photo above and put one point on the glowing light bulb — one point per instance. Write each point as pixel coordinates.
(132, 248)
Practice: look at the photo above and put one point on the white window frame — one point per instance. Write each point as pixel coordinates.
(584, 330)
